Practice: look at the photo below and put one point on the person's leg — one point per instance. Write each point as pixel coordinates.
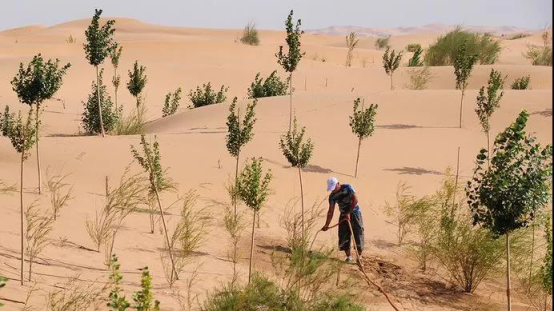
(358, 229)
(344, 238)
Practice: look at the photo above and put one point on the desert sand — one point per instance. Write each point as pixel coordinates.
(416, 139)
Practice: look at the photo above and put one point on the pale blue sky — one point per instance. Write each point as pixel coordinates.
(270, 14)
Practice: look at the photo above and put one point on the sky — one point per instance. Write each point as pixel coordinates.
(270, 14)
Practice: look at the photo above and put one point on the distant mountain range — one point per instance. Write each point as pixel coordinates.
(431, 28)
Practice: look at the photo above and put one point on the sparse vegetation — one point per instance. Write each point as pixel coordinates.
(463, 65)
(419, 78)
(362, 124)
(382, 43)
(413, 47)
(75, 295)
(115, 55)
(250, 35)
(541, 55)
(272, 86)
(519, 36)
(445, 50)
(70, 39)
(117, 301)
(351, 43)
(171, 103)
(521, 83)
(92, 122)
(391, 62)
(404, 211)
(206, 96)
(132, 123)
(489, 102)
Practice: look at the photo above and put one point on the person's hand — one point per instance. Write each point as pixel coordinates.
(347, 216)
(325, 228)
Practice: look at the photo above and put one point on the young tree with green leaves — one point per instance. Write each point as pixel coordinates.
(100, 44)
(36, 83)
(290, 61)
(108, 121)
(239, 133)
(118, 302)
(391, 62)
(463, 65)
(253, 189)
(362, 124)
(171, 103)
(115, 55)
(144, 299)
(351, 44)
(150, 161)
(137, 82)
(298, 154)
(22, 136)
(508, 194)
(489, 102)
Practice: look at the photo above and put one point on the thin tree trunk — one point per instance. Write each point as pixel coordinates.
(99, 102)
(290, 93)
(302, 201)
(173, 271)
(455, 184)
(115, 93)
(151, 220)
(532, 252)
(30, 267)
(488, 149)
(461, 107)
(235, 199)
(21, 212)
(358, 157)
(251, 247)
(508, 294)
(38, 154)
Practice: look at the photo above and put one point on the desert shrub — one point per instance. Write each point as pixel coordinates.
(171, 103)
(403, 212)
(413, 47)
(443, 51)
(540, 55)
(271, 86)
(382, 43)
(391, 62)
(131, 124)
(521, 83)
(351, 43)
(206, 96)
(419, 78)
(91, 118)
(519, 36)
(70, 39)
(6, 189)
(75, 295)
(117, 301)
(250, 35)
(415, 60)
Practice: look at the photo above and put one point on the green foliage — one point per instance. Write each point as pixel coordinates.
(117, 302)
(131, 124)
(39, 81)
(351, 43)
(405, 212)
(521, 83)
(171, 103)
(3, 282)
(391, 61)
(150, 161)
(143, 298)
(91, 118)
(362, 121)
(207, 96)
(115, 55)
(413, 47)
(272, 86)
(541, 55)
(22, 134)
(546, 269)
(100, 41)
(382, 43)
(240, 132)
(511, 191)
(290, 61)
(137, 81)
(463, 65)
(415, 60)
(6, 121)
(295, 150)
(489, 102)
(444, 51)
(253, 186)
(250, 35)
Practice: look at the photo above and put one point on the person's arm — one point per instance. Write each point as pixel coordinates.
(329, 216)
(354, 199)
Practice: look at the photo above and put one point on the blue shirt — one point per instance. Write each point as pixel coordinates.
(343, 197)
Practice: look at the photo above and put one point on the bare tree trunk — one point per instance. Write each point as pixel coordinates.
(488, 149)
(173, 271)
(462, 107)
(235, 199)
(302, 201)
(508, 294)
(290, 93)
(99, 102)
(21, 212)
(455, 184)
(251, 247)
(30, 267)
(151, 220)
(115, 93)
(358, 157)
(532, 252)
(38, 154)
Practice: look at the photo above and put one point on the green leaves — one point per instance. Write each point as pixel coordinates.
(137, 79)
(91, 116)
(463, 65)
(100, 41)
(143, 298)
(38, 81)
(171, 103)
(297, 152)
(488, 103)
(117, 302)
(362, 120)
(3, 281)
(521, 83)
(272, 86)
(240, 132)
(391, 60)
(415, 60)
(150, 161)
(253, 186)
(508, 194)
(21, 133)
(206, 96)
(290, 61)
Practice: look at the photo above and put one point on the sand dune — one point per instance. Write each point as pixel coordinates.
(416, 139)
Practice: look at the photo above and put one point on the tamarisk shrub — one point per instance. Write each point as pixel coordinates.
(521, 83)
(137, 82)
(239, 133)
(382, 43)
(391, 61)
(94, 123)
(250, 35)
(509, 193)
(463, 65)
(413, 47)
(351, 44)
(253, 189)
(115, 55)
(271, 86)
(206, 96)
(298, 154)
(171, 103)
(290, 60)
(100, 44)
(34, 84)
(362, 124)
(489, 102)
